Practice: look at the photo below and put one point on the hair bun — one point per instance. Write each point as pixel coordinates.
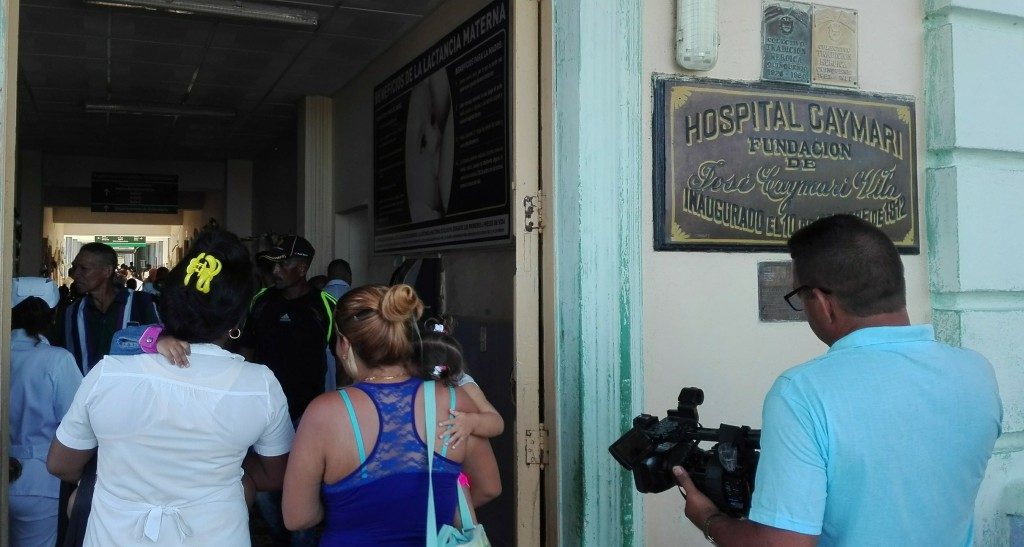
(400, 304)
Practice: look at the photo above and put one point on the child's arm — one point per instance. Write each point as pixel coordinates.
(487, 423)
(176, 351)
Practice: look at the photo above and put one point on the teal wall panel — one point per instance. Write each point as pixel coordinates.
(1004, 7)
(941, 228)
(989, 210)
(594, 209)
(997, 334)
(988, 107)
(974, 77)
(939, 99)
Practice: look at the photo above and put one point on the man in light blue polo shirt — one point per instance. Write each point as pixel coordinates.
(884, 439)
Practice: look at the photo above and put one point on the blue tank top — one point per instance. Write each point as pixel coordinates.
(384, 501)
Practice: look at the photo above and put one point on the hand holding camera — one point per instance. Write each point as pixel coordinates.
(725, 472)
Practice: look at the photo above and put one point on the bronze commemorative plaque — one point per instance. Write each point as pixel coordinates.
(741, 166)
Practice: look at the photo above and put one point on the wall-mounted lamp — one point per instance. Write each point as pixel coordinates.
(160, 110)
(697, 34)
(221, 8)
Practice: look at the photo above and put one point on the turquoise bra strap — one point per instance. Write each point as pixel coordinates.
(355, 425)
(451, 397)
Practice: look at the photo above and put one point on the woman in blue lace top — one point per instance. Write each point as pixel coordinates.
(359, 459)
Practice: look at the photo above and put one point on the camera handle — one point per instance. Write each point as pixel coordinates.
(738, 435)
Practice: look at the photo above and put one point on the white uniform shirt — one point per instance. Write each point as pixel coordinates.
(43, 384)
(171, 443)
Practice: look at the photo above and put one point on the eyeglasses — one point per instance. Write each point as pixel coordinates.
(799, 305)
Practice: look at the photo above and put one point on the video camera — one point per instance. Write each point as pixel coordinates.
(724, 473)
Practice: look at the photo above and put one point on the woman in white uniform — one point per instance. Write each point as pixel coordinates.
(43, 383)
(173, 441)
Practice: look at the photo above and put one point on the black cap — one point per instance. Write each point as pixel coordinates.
(289, 247)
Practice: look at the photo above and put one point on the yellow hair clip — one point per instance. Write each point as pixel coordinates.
(206, 267)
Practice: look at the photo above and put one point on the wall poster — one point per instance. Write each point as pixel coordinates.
(740, 166)
(440, 142)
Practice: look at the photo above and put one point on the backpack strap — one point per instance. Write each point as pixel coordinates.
(255, 297)
(126, 314)
(329, 304)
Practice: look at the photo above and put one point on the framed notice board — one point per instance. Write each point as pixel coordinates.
(441, 177)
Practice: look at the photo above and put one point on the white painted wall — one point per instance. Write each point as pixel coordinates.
(700, 319)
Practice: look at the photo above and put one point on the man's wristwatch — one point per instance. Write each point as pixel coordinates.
(706, 528)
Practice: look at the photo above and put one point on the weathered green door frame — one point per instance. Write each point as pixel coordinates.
(8, 102)
(596, 207)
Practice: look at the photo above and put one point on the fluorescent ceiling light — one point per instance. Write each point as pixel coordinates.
(221, 8)
(159, 109)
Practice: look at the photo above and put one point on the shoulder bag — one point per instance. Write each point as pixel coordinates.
(471, 534)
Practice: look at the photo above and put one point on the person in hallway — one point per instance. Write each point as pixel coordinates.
(174, 443)
(339, 281)
(288, 328)
(359, 460)
(89, 323)
(149, 285)
(290, 323)
(885, 438)
(44, 380)
(339, 278)
(86, 329)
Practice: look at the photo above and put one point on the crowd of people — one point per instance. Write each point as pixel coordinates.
(168, 420)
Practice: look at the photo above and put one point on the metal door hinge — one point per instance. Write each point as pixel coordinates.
(533, 208)
(537, 446)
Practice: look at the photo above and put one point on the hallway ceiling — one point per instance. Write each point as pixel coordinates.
(71, 53)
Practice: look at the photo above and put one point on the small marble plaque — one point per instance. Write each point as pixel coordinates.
(786, 42)
(774, 280)
(834, 47)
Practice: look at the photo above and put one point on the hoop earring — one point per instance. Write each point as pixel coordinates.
(235, 333)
